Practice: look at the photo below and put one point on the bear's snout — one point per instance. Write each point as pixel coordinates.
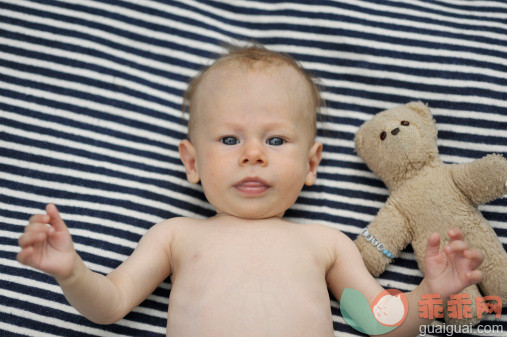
(394, 132)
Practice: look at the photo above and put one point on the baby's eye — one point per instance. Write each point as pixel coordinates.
(275, 141)
(229, 140)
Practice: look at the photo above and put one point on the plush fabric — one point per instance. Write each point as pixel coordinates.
(90, 96)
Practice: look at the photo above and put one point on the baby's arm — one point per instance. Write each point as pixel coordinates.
(101, 299)
(447, 273)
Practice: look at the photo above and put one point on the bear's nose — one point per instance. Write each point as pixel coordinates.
(394, 132)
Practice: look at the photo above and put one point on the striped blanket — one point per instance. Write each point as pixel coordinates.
(90, 119)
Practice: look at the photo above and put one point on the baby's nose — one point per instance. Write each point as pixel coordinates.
(253, 155)
(394, 132)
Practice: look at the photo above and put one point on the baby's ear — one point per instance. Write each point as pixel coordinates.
(314, 157)
(188, 156)
(421, 109)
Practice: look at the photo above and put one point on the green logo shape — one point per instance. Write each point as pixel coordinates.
(357, 313)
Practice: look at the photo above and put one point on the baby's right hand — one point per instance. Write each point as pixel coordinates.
(48, 248)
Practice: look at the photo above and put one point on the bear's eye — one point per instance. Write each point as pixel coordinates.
(383, 135)
(405, 123)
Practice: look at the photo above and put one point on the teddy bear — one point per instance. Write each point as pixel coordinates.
(400, 146)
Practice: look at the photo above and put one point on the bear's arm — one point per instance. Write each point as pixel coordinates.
(390, 228)
(483, 179)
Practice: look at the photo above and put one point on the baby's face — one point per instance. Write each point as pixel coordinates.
(252, 144)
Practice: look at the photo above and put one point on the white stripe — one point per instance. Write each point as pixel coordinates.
(480, 3)
(55, 322)
(142, 61)
(109, 79)
(70, 309)
(487, 116)
(394, 8)
(333, 211)
(99, 178)
(465, 129)
(90, 59)
(40, 19)
(383, 6)
(24, 331)
(426, 4)
(68, 217)
(253, 34)
(364, 16)
(107, 179)
(439, 82)
(382, 105)
(489, 148)
(104, 108)
(397, 90)
(78, 86)
(93, 135)
(155, 34)
(336, 24)
(55, 288)
(383, 60)
(93, 149)
(86, 234)
(343, 199)
(180, 25)
(124, 156)
(84, 191)
(66, 114)
(79, 203)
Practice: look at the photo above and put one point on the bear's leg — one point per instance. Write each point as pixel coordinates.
(494, 268)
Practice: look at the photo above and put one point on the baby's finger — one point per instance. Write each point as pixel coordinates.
(455, 247)
(39, 218)
(455, 234)
(433, 245)
(475, 276)
(56, 220)
(32, 237)
(475, 257)
(37, 227)
(25, 255)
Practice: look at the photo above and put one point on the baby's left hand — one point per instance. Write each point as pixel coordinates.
(455, 267)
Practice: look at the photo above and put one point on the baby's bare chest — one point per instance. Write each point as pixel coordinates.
(244, 253)
(229, 275)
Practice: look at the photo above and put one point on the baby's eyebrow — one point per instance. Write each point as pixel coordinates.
(268, 126)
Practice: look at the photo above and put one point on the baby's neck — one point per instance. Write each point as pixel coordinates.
(228, 218)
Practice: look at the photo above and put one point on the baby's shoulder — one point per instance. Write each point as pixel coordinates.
(330, 236)
(174, 225)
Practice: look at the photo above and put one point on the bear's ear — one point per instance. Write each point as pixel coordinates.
(420, 108)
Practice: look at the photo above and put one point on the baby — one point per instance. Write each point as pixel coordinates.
(245, 271)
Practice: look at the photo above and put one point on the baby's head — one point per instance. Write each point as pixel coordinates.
(252, 130)
(250, 59)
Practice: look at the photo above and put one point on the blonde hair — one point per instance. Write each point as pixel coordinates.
(252, 56)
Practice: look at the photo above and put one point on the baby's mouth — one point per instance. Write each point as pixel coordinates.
(252, 186)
